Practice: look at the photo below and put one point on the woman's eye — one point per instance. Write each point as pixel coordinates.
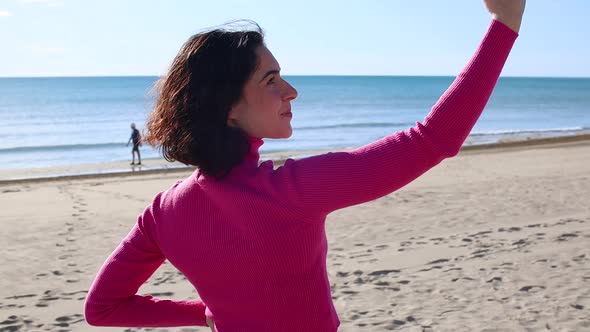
(271, 81)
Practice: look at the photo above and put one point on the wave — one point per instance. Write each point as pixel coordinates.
(65, 147)
(119, 145)
(527, 131)
(357, 125)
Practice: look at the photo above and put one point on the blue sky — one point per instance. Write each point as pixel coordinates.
(320, 37)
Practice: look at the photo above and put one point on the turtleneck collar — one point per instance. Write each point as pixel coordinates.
(254, 155)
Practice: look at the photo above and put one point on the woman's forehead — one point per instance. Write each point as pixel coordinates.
(266, 60)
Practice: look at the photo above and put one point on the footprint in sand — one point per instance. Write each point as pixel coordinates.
(566, 236)
(520, 243)
(360, 255)
(479, 253)
(79, 208)
(395, 324)
(531, 288)
(16, 297)
(480, 234)
(436, 267)
(48, 296)
(453, 269)
(372, 260)
(70, 295)
(359, 281)
(509, 230)
(580, 258)
(19, 323)
(66, 321)
(381, 273)
(166, 278)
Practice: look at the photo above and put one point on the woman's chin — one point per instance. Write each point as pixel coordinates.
(289, 133)
(284, 134)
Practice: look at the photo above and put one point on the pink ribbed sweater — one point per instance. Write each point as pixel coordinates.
(254, 244)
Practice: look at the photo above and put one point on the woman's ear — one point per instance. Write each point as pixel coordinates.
(232, 123)
(231, 118)
(235, 112)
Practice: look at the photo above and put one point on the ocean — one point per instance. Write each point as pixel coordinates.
(69, 121)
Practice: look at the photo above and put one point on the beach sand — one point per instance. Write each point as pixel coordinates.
(495, 239)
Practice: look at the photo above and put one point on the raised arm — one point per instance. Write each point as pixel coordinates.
(113, 300)
(324, 183)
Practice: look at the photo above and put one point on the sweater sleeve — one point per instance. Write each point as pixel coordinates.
(324, 183)
(113, 300)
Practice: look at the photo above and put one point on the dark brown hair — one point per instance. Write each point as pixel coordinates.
(206, 78)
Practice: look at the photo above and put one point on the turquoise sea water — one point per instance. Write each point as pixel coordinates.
(65, 121)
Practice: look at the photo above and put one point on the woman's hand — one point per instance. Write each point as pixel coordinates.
(211, 324)
(508, 12)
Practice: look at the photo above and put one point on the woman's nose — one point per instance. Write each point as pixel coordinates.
(290, 92)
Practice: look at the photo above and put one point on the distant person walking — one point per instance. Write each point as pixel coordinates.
(136, 139)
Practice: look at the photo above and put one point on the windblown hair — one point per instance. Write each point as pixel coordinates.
(206, 78)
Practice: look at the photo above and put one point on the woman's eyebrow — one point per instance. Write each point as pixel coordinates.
(270, 72)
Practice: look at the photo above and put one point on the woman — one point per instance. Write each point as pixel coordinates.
(249, 238)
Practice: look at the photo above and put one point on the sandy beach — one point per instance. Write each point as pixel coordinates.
(495, 239)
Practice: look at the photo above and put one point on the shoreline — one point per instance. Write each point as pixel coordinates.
(117, 169)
